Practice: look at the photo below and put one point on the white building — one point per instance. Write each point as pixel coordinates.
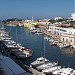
(67, 35)
(73, 16)
(56, 18)
(68, 39)
(61, 30)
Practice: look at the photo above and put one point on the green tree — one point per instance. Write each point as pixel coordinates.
(52, 21)
(59, 20)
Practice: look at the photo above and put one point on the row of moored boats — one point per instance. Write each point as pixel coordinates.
(51, 68)
(52, 42)
(57, 42)
(14, 48)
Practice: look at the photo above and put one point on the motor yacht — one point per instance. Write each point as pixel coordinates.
(46, 65)
(38, 61)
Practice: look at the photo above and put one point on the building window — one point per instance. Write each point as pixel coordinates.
(63, 39)
(71, 32)
(71, 40)
(66, 40)
(63, 30)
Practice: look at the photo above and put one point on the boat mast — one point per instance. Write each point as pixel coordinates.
(2, 25)
(10, 29)
(21, 35)
(44, 50)
(32, 19)
(16, 36)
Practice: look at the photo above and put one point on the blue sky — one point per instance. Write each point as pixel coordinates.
(37, 8)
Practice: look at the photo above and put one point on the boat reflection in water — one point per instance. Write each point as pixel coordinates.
(70, 51)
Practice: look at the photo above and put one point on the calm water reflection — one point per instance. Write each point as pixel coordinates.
(65, 57)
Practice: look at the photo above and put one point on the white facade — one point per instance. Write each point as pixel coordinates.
(60, 30)
(73, 16)
(68, 39)
(66, 35)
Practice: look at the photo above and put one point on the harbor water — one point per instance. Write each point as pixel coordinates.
(65, 57)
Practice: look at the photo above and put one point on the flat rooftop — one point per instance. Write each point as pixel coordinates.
(9, 67)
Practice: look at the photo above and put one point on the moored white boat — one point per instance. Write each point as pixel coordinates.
(51, 69)
(47, 38)
(38, 61)
(33, 31)
(64, 45)
(73, 46)
(39, 32)
(46, 65)
(64, 71)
